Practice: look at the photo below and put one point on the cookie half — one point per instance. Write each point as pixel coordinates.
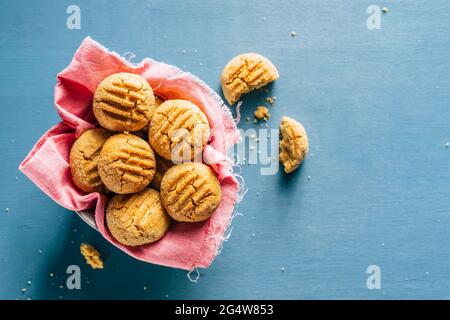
(245, 73)
(294, 144)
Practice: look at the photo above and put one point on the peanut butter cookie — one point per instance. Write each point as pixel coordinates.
(137, 219)
(293, 144)
(126, 163)
(245, 73)
(162, 165)
(83, 160)
(124, 102)
(179, 130)
(190, 192)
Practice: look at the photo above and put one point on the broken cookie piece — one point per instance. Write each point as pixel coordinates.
(293, 144)
(91, 255)
(262, 112)
(245, 73)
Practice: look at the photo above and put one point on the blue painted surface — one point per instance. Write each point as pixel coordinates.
(376, 107)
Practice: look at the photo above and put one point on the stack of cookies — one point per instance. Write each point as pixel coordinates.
(143, 157)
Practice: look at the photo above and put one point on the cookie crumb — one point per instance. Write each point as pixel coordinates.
(52, 274)
(282, 269)
(29, 282)
(308, 178)
(24, 290)
(247, 119)
(385, 9)
(293, 34)
(91, 255)
(145, 288)
(6, 210)
(447, 144)
(262, 112)
(271, 100)
(40, 251)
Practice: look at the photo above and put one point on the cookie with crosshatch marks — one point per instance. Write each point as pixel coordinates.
(126, 163)
(179, 130)
(84, 157)
(190, 192)
(137, 219)
(294, 144)
(123, 102)
(245, 73)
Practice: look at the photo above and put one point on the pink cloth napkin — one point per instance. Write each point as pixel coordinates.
(186, 245)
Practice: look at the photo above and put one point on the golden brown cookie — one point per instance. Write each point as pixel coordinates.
(293, 144)
(245, 73)
(179, 130)
(83, 160)
(162, 165)
(124, 102)
(136, 219)
(190, 192)
(126, 163)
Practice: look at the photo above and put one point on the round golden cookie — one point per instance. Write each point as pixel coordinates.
(126, 163)
(83, 160)
(162, 165)
(124, 102)
(136, 219)
(190, 192)
(245, 73)
(293, 144)
(179, 130)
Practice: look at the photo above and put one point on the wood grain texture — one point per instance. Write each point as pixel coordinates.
(376, 108)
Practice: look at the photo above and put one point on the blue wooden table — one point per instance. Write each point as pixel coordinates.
(376, 107)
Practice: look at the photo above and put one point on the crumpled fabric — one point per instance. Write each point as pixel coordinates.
(186, 245)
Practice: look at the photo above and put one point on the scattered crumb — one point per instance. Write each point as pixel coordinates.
(253, 235)
(427, 273)
(447, 144)
(60, 297)
(262, 112)
(61, 287)
(40, 251)
(183, 51)
(6, 210)
(308, 178)
(282, 269)
(252, 148)
(28, 298)
(253, 136)
(145, 288)
(382, 244)
(293, 34)
(257, 194)
(52, 274)
(74, 230)
(24, 290)
(271, 100)
(167, 295)
(255, 121)
(264, 18)
(247, 119)
(385, 9)
(29, 282)
(17, 178)
(91, 255)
